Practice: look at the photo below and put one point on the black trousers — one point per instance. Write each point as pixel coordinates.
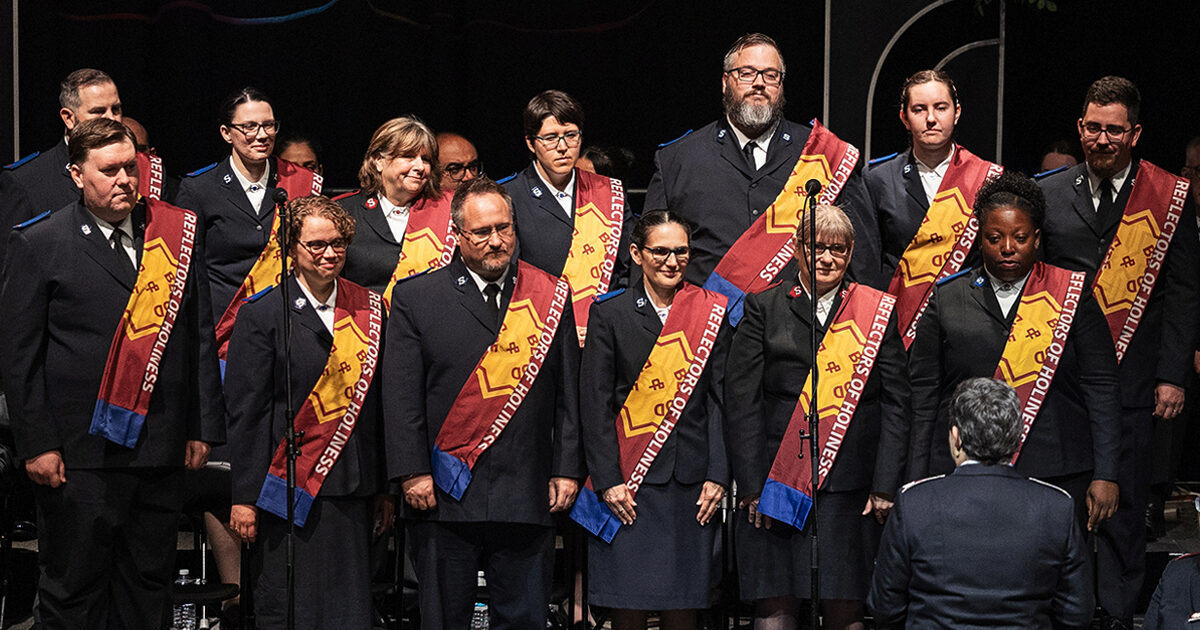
(517, 559)
(106, 548)
(1121, 542)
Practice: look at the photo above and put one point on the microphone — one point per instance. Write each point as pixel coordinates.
(812, 188)
(279, 195)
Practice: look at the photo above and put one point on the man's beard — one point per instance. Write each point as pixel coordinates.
(753, 120)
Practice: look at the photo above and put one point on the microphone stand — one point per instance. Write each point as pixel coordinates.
(812, 188)
(279, 196)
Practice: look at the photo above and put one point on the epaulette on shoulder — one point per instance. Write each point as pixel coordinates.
(257, 296)
(667, 144)
(415, 275)
(608, 296)
(1050, 485)
(1185, 556)
(504, 180)
(953, 276)
(1045, 174)
(880, 160)
(22, 160)
(30, 222)
(201, 171)
(918, 482)
(345, 195)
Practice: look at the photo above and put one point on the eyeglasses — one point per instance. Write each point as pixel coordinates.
(551, 141)
(660, 254)
(271, 127)
(1091, 131)
(316, 248)
(748, 74)
(483, 235)
(837, 250)
(458, 170)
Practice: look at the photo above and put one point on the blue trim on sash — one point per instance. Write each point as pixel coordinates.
(784, 503)
(593, 515)
(116, 424)
(450, 473)
(737, 297)
(271, 499)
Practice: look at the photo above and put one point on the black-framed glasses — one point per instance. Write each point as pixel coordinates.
(750, 74)
(551, 141)
(457, 170)
(1115, 133)
(482, 235)
(250, 129)
(317, 248)
(837, 250)
(660, 254)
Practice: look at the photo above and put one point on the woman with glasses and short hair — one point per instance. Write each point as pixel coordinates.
(402, 213)
(657, 521)
(341, 501)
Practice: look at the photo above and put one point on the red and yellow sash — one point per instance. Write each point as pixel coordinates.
(599, 215)
(137, 347)
(150, 176)
(502, 378)
(428, 242)
(1122, 286)
(845, 357)
(943, 241)
(298, 182)
(329, 414)
(658, 397)
(763, 250)
(1038, 337)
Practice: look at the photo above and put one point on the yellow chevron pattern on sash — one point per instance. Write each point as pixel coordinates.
(155, 277)
(945, 221)
(839, 352)
(504, 363)
(657, 384)
(585, 261)
(1117, 286)
(421, 250)
(783, 215)
(1031, 335)
(335, 388)
(265, 272)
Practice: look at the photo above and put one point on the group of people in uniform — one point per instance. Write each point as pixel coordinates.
(487, 361)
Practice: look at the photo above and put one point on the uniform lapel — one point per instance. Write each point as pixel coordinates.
(374, 218)
(778, 151)
(98, 248)
(983, 295)
(1082, 202)
(644, 307)
(233, 190)
(730, 151)
(543, 196)
(913, 185)
(305, 311)
(1107, 224)
(472, 300)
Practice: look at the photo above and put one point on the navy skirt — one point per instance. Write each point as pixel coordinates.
(775, 562)
(663, 561)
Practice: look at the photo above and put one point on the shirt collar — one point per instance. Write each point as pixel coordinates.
(556, 192)
(388, 207)
(106, 228)
(331, 302)
(245, 183)
(998, 284)
(940, 169)
(1118, 180)
(825, 300)
(481, 283)
(763, 141)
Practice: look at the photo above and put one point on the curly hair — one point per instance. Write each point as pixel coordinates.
(316, 206)
(1011, 189)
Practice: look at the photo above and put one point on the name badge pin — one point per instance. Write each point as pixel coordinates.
(641, 302)
(1079, 180)
(86, 229)
(372, 203)
(787, 137)
(979, 281)
(461, 280)
(721, 135)
(907, 169)
(536, 192)
(299, 302)
(796, 291)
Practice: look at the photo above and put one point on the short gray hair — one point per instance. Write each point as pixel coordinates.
(831, 221)
(988, 416)
(481, 185)
(68, 90)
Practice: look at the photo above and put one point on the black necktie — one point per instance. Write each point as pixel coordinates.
(1105, 208)
(116, 241)
(748, 151)
(491, 295)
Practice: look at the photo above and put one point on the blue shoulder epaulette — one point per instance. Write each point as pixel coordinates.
(910, 484)
(608, 296)
(667, 144)
(400, 281)
(882, 159)
(30, 222)
(201, 171)
(23, 160)
(256, 296)
(505, 180)
(953, 276)
(1051, 172)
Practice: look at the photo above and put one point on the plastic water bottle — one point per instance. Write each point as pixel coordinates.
(479, 619)
(184, 617)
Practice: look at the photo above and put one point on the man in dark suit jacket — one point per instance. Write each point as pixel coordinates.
(983, 547)
(107, 514)
(1176, 601)
(1079, 229)
(439, 328)
(707, 177)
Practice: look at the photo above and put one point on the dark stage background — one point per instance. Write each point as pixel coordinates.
(646, 71)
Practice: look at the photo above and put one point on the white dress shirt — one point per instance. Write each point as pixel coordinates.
(481, 283)
(126, 228)
(1118, 181)
(824, 303)
(761, 143)
(255, 191)
(563, 197)
(324, 309)
(397, 217)
(1007, 293)
(932, 176)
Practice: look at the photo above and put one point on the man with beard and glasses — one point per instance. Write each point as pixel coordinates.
(725, 177)
(1129, 225)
